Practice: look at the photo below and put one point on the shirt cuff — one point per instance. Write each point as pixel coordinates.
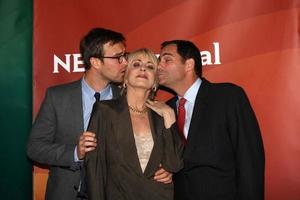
(76, 159)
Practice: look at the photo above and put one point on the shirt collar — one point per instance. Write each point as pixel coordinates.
(90, 92)
(191, 94)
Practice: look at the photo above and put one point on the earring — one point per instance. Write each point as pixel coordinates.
(154, 88)
(152, 93)
(124, 89)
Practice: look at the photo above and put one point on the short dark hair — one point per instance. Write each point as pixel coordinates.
(187, 50)
(91, 45)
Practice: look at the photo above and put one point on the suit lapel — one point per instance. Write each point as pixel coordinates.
(125, 137)
(76, 105)
(197, 116)
(156, 126)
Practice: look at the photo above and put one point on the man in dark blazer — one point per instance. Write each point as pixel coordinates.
(58, 137)
(224, 154)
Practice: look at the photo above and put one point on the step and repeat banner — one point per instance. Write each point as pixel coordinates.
(252, 43)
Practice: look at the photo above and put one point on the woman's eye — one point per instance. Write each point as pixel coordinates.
(151, 67)
(136, 64)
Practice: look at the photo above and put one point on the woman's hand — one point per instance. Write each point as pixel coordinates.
(163, 110)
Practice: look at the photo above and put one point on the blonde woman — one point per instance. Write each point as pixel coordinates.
(135, 137)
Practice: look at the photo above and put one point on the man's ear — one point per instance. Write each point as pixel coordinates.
(95, 62)
(190, 64)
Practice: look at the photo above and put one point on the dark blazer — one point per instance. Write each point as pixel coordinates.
(113, 169)
(55, 134)
(224, 155)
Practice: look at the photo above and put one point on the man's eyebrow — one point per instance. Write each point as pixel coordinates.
(120, 53)
(166, 54)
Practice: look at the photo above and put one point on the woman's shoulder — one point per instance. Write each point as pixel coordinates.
(108, 105)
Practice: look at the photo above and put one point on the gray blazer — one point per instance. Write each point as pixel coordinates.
(54, 135)
(113, 169)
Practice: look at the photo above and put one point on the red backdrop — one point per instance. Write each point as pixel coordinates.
(259, 49)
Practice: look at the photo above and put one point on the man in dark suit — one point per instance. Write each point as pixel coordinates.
(224, 155)
(58, 137)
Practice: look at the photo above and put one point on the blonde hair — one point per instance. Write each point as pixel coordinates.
(149, 54)
(143, 51)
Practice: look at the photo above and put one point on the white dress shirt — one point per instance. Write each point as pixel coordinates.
(190, 96)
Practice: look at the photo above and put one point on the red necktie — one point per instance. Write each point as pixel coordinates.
(181, 118)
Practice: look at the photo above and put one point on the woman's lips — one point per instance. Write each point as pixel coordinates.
(142, 76)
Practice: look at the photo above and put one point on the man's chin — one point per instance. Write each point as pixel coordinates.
(119, 80)
(161, 80)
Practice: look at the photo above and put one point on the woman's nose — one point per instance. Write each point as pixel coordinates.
(142, 68)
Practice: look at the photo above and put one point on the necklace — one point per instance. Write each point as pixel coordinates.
(136, 110)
